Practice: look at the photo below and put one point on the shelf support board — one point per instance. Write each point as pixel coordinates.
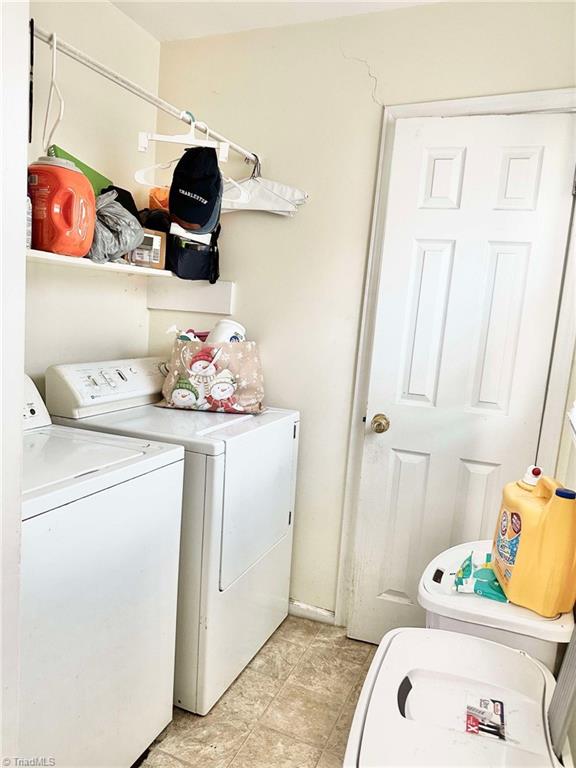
(192, 296)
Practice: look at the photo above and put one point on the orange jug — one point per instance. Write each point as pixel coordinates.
(63, 207)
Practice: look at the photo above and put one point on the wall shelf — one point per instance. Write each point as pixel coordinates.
(172, 294)
(44, 257)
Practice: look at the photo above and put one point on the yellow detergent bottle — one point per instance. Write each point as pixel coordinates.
(534, 551)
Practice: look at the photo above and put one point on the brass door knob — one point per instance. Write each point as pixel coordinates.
(380, 423)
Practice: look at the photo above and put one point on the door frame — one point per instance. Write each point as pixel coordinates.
(13, 179)
(544, 102)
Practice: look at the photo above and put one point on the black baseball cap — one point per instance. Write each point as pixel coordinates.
(196, 190)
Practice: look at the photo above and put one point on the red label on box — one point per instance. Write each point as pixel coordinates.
(472, 724)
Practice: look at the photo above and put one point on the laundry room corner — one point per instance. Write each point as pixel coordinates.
(105, 315)
(309, 98)
(288, 383)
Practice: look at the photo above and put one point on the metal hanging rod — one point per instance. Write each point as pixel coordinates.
(142, 93)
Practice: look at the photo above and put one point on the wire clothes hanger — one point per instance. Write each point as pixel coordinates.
(54, 89)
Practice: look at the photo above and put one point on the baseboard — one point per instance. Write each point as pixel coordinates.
(305, 611)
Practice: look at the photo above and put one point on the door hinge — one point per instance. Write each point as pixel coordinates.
(294, 435)
(290, 517)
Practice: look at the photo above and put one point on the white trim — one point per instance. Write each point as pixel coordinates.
(344, 583)
(560, 100)
(305, 611)
(572, 423)
(13, 162)
(557, 395)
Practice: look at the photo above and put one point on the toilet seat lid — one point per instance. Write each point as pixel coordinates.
(440, 699)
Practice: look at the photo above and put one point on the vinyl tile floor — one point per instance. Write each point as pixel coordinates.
(292, 706)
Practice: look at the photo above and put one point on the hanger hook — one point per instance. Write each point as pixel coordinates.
(53, 89)
(257, 170)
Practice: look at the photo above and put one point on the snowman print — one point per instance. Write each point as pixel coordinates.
(185, 394)
(221, 396)
(202, 368)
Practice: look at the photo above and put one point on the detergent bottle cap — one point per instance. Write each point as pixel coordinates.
(532, 475)
(566, 493)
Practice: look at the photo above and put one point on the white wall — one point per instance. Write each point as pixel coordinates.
(75, 316)
(309, 99)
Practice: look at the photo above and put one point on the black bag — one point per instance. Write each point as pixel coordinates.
(194, 261)
(124, 198)
(157, 219)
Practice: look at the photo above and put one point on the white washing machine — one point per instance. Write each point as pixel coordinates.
(237, 521)
(100, 538)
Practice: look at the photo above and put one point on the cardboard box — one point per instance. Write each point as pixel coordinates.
(151, 252)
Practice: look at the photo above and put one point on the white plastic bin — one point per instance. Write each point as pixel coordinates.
(516, 627)
(444, 699)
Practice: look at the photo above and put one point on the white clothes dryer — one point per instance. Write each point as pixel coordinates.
(100, 538)
(237, 520)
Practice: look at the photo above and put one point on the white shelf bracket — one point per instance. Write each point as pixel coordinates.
(191, 296)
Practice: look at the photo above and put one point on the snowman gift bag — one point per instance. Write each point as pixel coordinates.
(224, 377)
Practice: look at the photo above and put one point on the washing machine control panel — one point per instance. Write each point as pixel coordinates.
(35, 413)
(88, 389)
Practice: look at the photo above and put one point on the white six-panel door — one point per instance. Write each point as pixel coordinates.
(475, 238)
